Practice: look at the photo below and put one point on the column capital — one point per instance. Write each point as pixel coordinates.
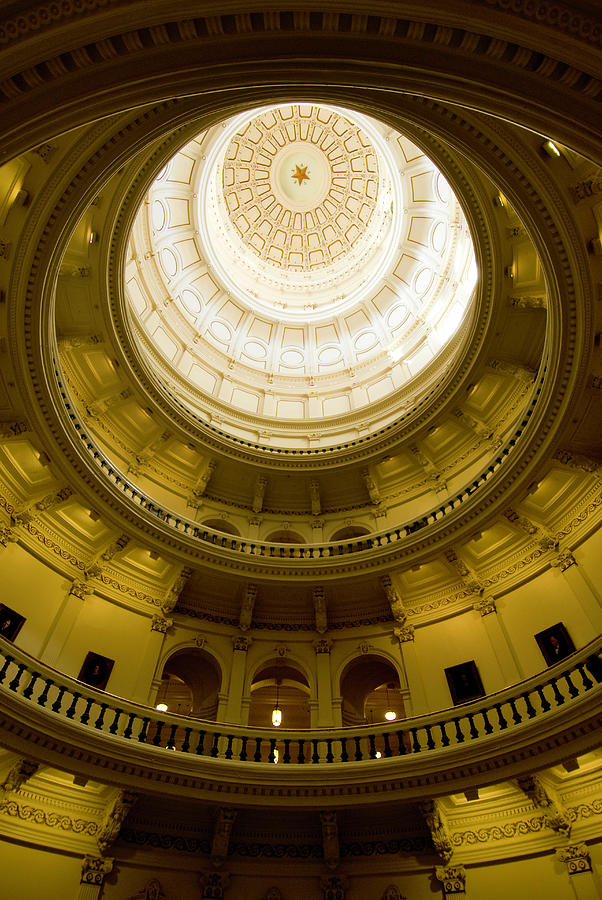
(21, 771)
(453, 879)
(485, 606)
(95, 869)
(80, 589)
(322, 646)
(564, 561)
(334, 887)
(241, 642)
(214, 884)
(161, 624)
(576, 857)
(404, 634)
(7, 536)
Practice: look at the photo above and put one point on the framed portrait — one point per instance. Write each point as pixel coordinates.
(555, 643)
(96, 670)
(464, 682)
(11, 622)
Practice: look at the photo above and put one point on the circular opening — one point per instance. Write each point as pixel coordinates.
(299, 263)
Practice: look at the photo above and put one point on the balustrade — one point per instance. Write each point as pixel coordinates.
(506, 712)
(364, 544)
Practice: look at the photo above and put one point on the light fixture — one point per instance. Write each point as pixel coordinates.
(277, 712)
(92, 237)
(378, 754)
(390, 714)
(550, 149)
(161, 707)
(276, 757)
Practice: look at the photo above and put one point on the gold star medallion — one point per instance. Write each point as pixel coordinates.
(300, 174)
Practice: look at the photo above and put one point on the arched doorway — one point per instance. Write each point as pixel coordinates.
(369, 690)
(279, 683)
(190, 684)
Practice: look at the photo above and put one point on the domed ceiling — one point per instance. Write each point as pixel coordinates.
(297, 268)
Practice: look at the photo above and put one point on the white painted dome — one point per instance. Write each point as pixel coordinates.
(299, 274)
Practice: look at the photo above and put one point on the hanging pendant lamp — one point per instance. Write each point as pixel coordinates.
(277, 712)
(390, 714)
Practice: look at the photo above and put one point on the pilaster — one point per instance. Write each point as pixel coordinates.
(234, 706)
(144, 689)
(500, 645)
(323, 711)
(584, 883)
(94, 871)
(409, 658)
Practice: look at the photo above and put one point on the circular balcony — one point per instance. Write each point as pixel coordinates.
(536, 723)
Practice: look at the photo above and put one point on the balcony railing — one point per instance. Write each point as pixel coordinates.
(276, 551)
(504, 714)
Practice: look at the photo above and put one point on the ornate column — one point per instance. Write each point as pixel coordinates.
(234, 707)
(64, 621)
(579, 866)
(453, 879)
(317, 531)
(409, 659)
(500, 645)
(334, 887)
(585, 592)
(323, 712)
(148, 680)
(214, 885)
(94, 871)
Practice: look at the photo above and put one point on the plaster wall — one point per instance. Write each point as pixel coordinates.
(32, 589)
(32, 873)
(540, 603)
(110, 631)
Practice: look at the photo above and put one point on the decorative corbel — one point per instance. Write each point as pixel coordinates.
(20, 772)
(320, 609)
(330, 838)
(173, 595)
(113, 819)
(247, 606)
(221, 836)
(545, 798)
(396, 604)
(435, 819)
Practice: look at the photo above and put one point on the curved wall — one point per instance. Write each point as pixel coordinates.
(92, 568)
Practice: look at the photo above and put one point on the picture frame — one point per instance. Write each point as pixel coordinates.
(96, 670)
(11, 622)
(464, 682)
(555, 643)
